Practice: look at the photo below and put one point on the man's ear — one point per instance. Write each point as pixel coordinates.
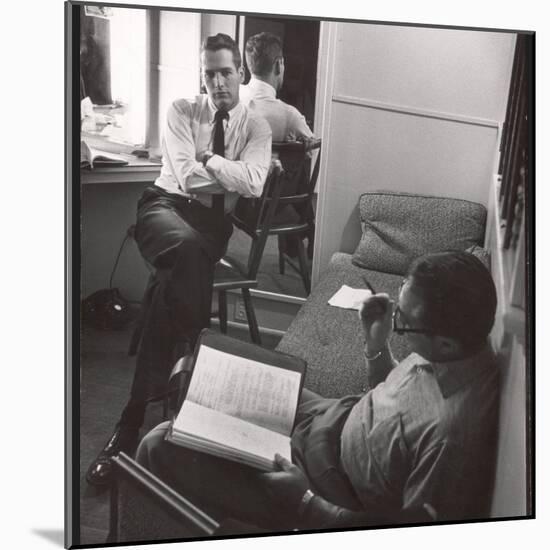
(240, 70)
(279, 65)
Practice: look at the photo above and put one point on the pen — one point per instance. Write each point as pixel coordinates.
(368, 285)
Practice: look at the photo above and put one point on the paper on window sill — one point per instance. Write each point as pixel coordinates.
(349, 298)
(106, 143)
(86, 108)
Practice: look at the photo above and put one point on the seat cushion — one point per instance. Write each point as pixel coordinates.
(398, 227)
(330, 339)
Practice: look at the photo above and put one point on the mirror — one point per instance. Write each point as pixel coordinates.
(135, 62)
(300, 40)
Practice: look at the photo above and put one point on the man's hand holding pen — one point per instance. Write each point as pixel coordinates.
(376, 319)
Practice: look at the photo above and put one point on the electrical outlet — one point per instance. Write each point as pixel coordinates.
(240, 312)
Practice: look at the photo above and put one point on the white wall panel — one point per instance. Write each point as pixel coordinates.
(453, 71)
(373, 149)
(509, 498)
(407, 109)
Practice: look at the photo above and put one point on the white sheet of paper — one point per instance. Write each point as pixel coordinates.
(206, 424)
(349, 298)
(256, 392)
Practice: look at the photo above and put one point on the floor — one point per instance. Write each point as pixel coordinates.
(269, 278)
(106, 376)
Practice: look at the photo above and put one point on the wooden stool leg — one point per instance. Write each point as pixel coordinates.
(304, 270)
(281, 241)
(251, 317)
(222, 310)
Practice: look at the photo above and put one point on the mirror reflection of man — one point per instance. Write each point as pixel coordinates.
(418, 446)
(264, 57)
(214, 150)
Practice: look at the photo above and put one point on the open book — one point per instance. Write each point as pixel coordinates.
(241, 402)
(89, 156)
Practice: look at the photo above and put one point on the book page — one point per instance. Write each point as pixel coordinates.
(90, 156)
(103, 158)
(85, 154)
(262, 394)
(229, 436)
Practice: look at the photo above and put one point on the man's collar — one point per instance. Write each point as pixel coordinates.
(454, 375)
(232, 113)
(451, 376)
(262, 87)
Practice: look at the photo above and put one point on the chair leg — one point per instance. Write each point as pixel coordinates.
(281, 240)
(251, 317)
(222, 310)
(304, 269)
(310, 241)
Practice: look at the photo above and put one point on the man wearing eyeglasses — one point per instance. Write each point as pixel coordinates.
(418, 446)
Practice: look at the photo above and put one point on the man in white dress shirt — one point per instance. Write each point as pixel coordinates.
(264, 56)
(214, 150)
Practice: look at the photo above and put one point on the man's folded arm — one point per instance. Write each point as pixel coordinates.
(180, 153)
(247, 175)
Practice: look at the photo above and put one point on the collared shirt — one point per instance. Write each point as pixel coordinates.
(426, 435)
(189, 133)
(287, 124)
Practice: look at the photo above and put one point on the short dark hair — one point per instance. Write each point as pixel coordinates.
(459, 296)
(222, 41)
(262, 50)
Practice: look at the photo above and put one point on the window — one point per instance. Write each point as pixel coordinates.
(515, 163)
(113, 53)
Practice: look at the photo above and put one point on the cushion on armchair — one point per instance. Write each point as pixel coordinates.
(398, 227)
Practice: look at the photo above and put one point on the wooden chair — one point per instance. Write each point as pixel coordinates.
(295, 217)
(229, 273)
(143, 508)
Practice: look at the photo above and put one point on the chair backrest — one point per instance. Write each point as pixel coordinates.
(255, 216)
(298, 180)
(143, 508)
(297, 186)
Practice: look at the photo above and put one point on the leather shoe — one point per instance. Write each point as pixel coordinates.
(124, 439)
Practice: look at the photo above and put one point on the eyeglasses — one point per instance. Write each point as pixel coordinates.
(399, 327)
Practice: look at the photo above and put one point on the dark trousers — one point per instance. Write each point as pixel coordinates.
(222, 488)
(182, 240)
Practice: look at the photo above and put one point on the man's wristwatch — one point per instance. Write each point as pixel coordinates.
(206, 157)
(304, 503)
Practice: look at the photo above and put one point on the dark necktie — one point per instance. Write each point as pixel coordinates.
(218, 148)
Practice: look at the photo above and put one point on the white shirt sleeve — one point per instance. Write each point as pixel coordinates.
(297, 126)
(247, 175)
(180, 152)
